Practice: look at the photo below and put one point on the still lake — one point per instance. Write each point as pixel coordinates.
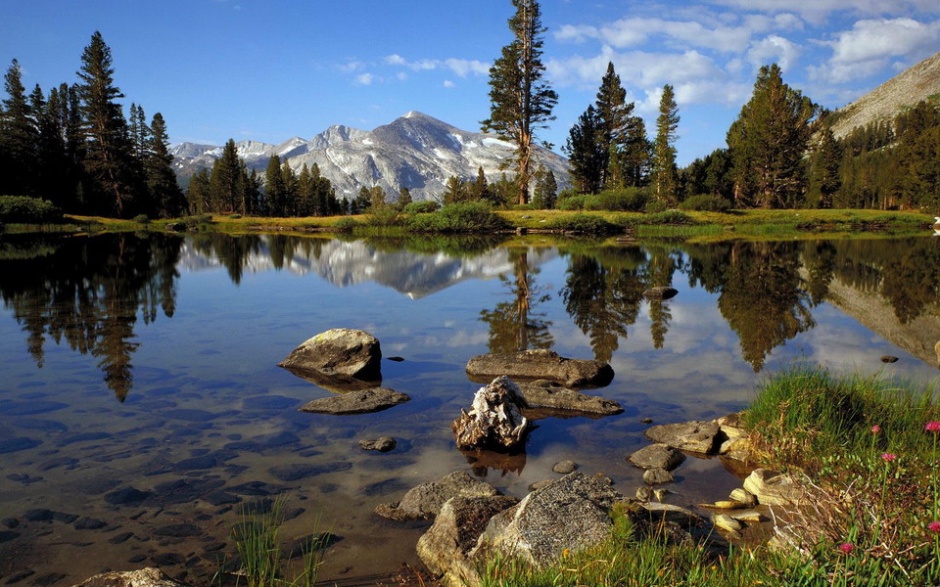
(141, 404)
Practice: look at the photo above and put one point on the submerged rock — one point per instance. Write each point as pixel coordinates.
(357, 402)
(657, 456)
(495, 419)
(541, 364)
(425, 501)
(340, 353)
(381, 444)
(660, 292)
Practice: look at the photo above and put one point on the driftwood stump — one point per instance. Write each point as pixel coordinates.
(495, 419)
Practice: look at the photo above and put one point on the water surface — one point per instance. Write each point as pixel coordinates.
(141, 405)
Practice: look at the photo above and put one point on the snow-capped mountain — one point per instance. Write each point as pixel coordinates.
(415, 151)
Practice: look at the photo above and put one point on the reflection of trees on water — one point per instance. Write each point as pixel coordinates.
(658, 273)
(517, 325)
(603, 294)
(88, 292)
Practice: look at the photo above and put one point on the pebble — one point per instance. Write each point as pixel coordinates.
(381, 444)
(565, 467)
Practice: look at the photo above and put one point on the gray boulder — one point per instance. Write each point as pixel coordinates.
(495, 419)
(570, 513)
(425, 501)
(340, 353)
(445, 546)
(697, 437)
(147, 577)
(356, 402)
(541, 364)
(657, 456)
(548, 398)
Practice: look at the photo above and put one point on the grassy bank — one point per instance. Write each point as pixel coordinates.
(687, 225)
(866, 449)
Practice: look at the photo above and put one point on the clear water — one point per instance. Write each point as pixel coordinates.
(148, 364)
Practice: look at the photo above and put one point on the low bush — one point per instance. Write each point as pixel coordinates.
(571, 202)
(384, 216)
(27, 210)
(673, 217)
(424, 207)
(141, 219)
(346, 224)
(460, 217)
(619, 200)
(706, 203)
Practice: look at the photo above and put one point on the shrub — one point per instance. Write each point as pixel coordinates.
(623, 200)
(584, 224)
(668, 217)
(655, 207)
(141, 219)
(706, 203)
(346, 224)
(423, 207)
(383, 216)
(572, 202)
(460, 217)
(27, 210)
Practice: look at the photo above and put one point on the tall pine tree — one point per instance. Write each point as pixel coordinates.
(18, 137)
(107, 147)
(520, 100)
(165, 192)
(664, 151)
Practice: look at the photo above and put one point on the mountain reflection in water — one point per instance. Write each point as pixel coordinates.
(186, 333)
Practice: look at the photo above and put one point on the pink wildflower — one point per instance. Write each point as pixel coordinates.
(888, 456)
(934, 527)
(876, 429)
(932, 426)
(846, 547)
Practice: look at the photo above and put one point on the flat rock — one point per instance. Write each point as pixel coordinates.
(541, 364)
(697, 437)
(357, 402)
(657, 456)
(549, 395)
(657, 477)
(425, 501)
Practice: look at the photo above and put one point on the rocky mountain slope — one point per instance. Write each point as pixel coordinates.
(904, 90)
(415, 151)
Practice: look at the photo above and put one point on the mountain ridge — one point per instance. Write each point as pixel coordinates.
(416, 151)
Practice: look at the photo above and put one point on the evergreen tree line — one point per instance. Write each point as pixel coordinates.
(74, 147)
(230, 188)
(782, 153)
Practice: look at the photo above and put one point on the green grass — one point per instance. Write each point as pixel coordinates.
(260, 545)
(866, 452)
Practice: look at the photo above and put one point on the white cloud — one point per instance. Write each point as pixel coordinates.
(817, 11)
(631, 32)
(871, 44)
(365, 79)
(449, 84)
(773, 49)
(459, 67)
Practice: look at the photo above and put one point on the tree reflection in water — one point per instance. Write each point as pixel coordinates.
(517, 325)
(88, 291)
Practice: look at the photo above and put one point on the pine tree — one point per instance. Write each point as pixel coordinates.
(767, 144)
(480, 188)
(275, 191)
(664, 151)
(587, 154)
(404, 197)
(18, 137)
(199, 193)
(546, 189)
(227, 181)
(107, 147)
(520, 100)
(614, 122)
(291, 189)
(165, 192)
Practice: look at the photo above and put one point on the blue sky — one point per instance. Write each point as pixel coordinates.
(270, 70)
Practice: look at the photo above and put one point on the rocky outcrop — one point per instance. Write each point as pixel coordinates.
(570, 513)
(425, 501)
(356, 402)
(541, 364)
(774, 488)
(147, 577)
(342, 354)
(545, 398)
(445, 547)
(495, 420)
